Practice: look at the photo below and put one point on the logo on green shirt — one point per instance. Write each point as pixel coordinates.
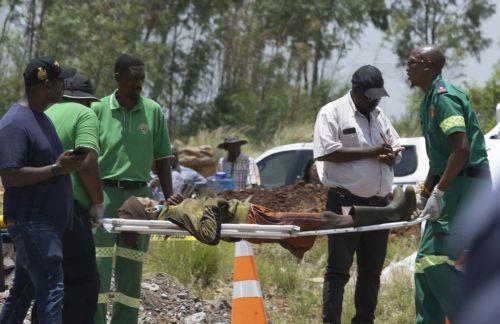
(143, 128)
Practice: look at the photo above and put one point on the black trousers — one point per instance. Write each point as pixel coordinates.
(370, 248)
(81, 278)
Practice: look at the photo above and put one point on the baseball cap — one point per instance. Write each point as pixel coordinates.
(78, 87)
(44, 68)
(370, 80)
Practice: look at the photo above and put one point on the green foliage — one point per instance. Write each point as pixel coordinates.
(408, 125)
(483, 99)
(254, 65)
(189, 261)
(454, 25)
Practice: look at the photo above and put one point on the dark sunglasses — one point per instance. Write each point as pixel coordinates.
(412, 62)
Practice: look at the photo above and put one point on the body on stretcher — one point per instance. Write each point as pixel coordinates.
(117, 225)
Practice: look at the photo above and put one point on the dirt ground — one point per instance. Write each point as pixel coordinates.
(304, 197)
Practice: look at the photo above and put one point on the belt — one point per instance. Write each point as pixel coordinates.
(475, 172)
(124, 184)
(370, 201)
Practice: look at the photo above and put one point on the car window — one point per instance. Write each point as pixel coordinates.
(408, 163)
(283, 168)
(303, 161)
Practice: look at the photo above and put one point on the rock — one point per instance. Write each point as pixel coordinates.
(317, 279)
(195, 318)
(8, 263)
(221, 303)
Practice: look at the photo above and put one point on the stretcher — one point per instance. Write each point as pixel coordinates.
(158, 227)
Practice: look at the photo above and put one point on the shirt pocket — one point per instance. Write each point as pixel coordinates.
(350, 137)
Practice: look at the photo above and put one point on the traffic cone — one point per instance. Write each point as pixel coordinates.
(248, 304)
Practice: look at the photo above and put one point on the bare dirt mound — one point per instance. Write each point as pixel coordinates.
(301, 197)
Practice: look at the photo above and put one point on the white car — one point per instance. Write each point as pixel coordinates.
(284, 165)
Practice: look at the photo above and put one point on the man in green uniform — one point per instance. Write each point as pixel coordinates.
(132, 134)
(77, 127)
(458, 165)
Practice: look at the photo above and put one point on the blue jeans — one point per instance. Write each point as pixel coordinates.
(38, 273)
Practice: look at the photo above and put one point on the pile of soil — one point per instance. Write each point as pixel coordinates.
(301, 197)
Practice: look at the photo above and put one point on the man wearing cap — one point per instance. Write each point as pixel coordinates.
(38, 200)
(77, 126)
(458, 166)
(237, 165)
(132, 136)
(355, 147)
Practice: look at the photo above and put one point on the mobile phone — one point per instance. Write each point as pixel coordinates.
(81, 150)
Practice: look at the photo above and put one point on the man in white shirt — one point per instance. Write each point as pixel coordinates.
(355, 147)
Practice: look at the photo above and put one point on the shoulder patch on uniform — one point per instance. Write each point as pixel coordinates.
(440, 87)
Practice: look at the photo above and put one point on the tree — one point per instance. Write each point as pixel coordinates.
(483, 99)
(253, 65)
(455, 25)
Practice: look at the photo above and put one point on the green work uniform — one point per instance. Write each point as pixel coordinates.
(445, 110)
(130, 141)
(76, 126)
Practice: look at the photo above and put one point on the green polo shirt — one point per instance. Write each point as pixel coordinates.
(130, 139)
(444, 111)
(76, 125)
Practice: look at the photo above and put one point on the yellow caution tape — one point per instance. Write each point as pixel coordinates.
(172, 238)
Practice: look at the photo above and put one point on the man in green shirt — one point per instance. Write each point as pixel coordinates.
(77, 126)
(458, 165)
(132, 135)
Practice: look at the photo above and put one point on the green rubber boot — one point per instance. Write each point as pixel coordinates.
(400, 209)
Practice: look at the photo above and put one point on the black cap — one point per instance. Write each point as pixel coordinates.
(78, 87)
(370, 80)
(45, 68)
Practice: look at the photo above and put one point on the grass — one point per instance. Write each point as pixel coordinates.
(286, 135)
(292, 290)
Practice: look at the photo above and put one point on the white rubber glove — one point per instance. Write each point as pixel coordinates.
(434, 205)
(96, 213)
(421, 201)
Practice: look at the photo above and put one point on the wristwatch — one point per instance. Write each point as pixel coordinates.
(55, 169)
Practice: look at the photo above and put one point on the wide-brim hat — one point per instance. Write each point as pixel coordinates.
(231, 140)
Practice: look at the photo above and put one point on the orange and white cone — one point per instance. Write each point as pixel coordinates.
(248, 303)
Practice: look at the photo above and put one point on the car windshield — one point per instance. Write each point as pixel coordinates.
(283, 168)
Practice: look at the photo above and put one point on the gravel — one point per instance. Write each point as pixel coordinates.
(164, 300)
